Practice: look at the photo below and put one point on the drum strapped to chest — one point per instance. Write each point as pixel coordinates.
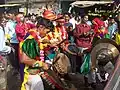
(61, 63)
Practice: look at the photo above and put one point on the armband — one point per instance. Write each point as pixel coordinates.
(38, 64)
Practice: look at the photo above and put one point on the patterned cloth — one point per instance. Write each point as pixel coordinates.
(112, 29)
(32, 49)
(99, 28)
(21, 30)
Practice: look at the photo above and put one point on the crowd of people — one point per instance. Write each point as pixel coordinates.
(36, 39)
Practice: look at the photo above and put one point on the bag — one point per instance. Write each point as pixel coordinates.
(85, 68)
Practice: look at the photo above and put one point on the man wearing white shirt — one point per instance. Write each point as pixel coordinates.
(72, 20)
(3, 47)
(86, 20)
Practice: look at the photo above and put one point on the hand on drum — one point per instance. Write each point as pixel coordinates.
(54, 44)
(45, 41)
(45, 66)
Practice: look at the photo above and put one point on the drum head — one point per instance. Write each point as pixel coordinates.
(104, 51)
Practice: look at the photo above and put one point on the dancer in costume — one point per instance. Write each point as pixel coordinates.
(32, 55)
(59, 31)
(84, 36)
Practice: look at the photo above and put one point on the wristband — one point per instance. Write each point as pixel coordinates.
(38, 64)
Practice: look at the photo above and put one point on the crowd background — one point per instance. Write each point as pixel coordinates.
(79, 30)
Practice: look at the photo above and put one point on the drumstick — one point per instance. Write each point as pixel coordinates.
(61, 42)
(52, 65)
(56, 60)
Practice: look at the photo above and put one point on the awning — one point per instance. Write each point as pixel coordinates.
(83, 4)
(10, 5)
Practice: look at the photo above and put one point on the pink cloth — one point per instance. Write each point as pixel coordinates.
(21, 30)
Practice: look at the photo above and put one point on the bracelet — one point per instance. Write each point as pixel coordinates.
(38, 64)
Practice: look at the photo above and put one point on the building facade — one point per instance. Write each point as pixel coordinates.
(32, 6)
(2, 9)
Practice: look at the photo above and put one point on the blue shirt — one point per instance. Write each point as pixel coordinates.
(10, 30)
(112, 29)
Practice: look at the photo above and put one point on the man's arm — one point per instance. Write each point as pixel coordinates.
(31, 62)
(2, 39)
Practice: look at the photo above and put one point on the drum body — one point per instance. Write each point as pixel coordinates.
(61, 64)
(52, 81)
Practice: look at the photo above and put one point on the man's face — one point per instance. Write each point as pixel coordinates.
(4, 21)
(11, 16)
(61, 23)
(85, 18)
(20, 17)
(42, 31)
(66, 17)
(112, 20)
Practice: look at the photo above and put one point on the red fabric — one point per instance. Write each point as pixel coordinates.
(49, 15)
(21, 30)
(62, 30)
(82, 41)
(98, 24)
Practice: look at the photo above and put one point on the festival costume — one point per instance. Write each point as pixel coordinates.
(37, 51)
(81, 39)
(100, 30)
(33, 49)
(84, 36)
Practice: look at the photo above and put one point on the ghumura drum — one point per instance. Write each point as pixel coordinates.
(52, 81)
(61, 64)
